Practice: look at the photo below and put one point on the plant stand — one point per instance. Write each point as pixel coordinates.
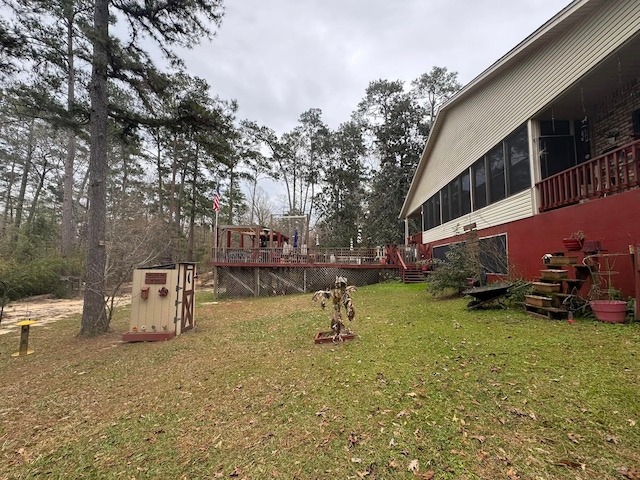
(327, 337)
(551, 313)
(556, 289)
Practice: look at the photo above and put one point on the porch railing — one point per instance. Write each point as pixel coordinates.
(614, 172)
(291, 255)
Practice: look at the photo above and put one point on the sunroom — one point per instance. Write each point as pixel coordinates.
(554, 123)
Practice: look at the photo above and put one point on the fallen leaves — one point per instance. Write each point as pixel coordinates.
(521, 413)
(575, 438)
(322, 411)
(570, 464)
(629, 473)
(611, 439)
(426, 475)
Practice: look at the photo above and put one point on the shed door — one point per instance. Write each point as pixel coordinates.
(188, 297)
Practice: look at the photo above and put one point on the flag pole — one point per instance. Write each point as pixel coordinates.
(215, 240)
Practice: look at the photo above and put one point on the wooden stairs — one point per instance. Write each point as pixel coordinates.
(413, 274)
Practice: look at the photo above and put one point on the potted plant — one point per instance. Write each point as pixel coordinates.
(611, 309)
(575, 242)
(424, 265)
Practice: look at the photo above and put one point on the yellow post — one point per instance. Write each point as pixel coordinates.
(24, 338)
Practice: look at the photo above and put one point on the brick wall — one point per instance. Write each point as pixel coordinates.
(613, 115)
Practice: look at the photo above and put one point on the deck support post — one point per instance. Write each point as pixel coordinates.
(256, 282)
(635, 259)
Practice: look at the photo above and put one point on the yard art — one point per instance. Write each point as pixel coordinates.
(340, 296)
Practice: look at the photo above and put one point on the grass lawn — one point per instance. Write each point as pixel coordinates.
(426, 390)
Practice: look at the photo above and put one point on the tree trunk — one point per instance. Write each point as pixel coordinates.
(232, 178)
(254, 187)
(192, 215)
(180, 199)
(36, 194)
(159, 167)
(8, 201)
(26, 170)
(94, 318)
(68, 231)
(172, 189)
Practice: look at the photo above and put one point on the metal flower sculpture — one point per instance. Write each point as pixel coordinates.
(340, 296)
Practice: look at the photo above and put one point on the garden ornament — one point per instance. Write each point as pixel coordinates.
(340, 297)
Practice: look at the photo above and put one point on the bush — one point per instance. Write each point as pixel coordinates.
(452, 273)
(38, 277)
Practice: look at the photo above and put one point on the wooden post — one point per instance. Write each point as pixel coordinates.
(636, 272)
(24, 338)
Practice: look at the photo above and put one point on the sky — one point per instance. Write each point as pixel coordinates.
(279, 58)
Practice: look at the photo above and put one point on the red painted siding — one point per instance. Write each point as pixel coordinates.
(613, 220)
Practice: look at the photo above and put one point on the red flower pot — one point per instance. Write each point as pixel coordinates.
(572, 244)
(609, 311)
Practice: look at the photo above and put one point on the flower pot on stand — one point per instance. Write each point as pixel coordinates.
(609, 311)
(573, 244)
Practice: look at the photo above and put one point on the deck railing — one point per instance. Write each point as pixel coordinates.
(614, 172)
(291, 255)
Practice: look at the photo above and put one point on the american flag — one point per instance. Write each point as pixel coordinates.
(216, 199)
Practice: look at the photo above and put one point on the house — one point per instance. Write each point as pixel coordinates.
(543, 143)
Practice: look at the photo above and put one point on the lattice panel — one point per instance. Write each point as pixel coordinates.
(244, 282)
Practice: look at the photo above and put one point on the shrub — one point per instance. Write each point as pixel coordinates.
(452, 273)
(38, 277)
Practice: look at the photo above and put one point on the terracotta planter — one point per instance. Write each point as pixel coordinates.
(573, 244)
(609, 311)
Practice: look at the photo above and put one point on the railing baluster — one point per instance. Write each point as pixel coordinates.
(635, 159)
(572, 176)
(584, 182)
(612, 172)
(606, 177)
(625, 168)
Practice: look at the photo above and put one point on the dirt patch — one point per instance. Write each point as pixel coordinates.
(44, 309)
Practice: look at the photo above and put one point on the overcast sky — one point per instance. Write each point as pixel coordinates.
(278, 58)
